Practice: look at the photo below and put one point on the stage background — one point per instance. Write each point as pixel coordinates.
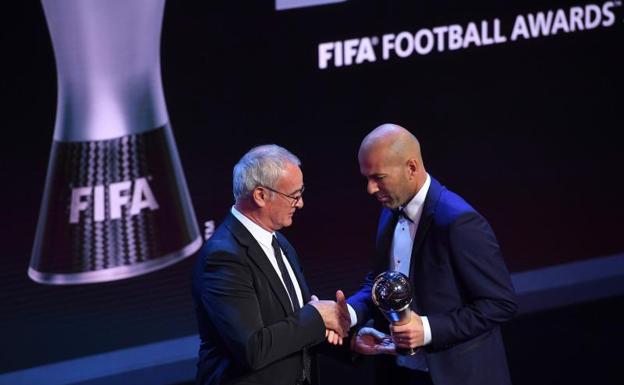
(527, 131)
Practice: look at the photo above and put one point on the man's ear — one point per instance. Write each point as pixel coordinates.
(260, 196)
(413, 167)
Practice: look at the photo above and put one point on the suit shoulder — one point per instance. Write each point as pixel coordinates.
(451, 207)
(221, 243)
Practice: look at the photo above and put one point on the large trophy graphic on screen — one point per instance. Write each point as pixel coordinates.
(115, 203)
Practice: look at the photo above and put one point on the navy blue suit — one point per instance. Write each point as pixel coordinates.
(249, 331)
(460, 283)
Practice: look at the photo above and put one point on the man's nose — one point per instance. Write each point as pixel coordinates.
(371, 187)
(299, 203)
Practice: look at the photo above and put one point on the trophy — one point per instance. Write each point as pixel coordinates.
(392, 294)
(115, 203)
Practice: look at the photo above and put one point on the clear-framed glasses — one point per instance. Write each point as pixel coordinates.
(295, 198)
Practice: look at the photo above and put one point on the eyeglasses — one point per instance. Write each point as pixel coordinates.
(295, 199)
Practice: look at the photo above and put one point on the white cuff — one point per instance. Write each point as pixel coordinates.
(426, 329)
(354, 316)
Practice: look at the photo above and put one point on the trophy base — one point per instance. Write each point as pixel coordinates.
(405, 351)
(115, 273)
(113, 209)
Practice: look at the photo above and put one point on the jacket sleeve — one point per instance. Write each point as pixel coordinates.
(361, 301)
(227, 292)
(488, 294)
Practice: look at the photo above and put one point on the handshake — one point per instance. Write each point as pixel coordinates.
(335, 317)
(368, 340)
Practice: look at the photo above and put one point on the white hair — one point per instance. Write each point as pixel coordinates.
(260, 166)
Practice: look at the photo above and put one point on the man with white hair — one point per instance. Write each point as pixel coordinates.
(256, 315)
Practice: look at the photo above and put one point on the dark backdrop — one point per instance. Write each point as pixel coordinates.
(526, 131)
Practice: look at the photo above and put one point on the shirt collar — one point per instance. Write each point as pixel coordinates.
(261, 235)
(414, 205)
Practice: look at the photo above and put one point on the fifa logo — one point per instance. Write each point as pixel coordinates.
(133, 195)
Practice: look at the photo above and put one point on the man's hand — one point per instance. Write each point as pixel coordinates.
(410, 334)
(335, 316)
(371, 341)
(333, 337)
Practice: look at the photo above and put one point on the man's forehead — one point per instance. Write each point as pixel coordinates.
(368, 168)
(373, 157)
(292, 176)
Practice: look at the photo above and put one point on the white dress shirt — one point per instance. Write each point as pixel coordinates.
(265, 238)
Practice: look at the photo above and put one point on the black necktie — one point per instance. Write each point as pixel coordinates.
(306, 360)
(404, 215)
(285, 276)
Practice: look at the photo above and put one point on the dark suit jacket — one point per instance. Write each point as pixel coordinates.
(460, 282)
(249, 332)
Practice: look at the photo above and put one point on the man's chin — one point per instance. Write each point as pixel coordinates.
(384, 201)
(389, 204)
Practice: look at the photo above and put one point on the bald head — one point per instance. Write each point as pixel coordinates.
(391, 161)
(394, 141)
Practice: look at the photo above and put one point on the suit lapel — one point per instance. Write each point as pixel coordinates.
(387, 223)
(431, 201)
(259, 258)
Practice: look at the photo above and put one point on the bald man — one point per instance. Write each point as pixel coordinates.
(462, 289)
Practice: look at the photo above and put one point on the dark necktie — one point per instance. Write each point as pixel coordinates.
(290, 288)
(306, 360)
(404, 215)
